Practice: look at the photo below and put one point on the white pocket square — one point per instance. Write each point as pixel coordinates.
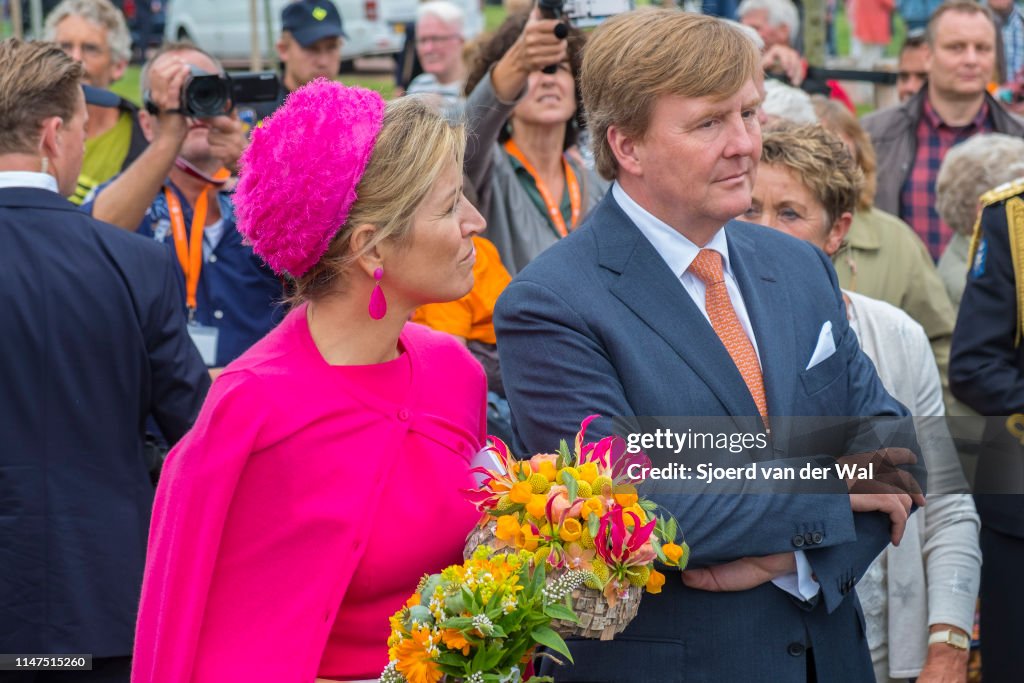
(826, 346)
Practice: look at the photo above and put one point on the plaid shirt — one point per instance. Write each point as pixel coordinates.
(1013, 42)
(917, 199)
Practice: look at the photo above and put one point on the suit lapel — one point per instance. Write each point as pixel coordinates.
(647, 286)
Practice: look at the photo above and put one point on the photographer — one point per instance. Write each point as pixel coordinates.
(176, 193)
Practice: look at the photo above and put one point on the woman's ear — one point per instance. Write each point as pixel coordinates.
(838, 233)
(370, 258)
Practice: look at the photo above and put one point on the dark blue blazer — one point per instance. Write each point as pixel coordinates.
(599, 324)
(93, 342)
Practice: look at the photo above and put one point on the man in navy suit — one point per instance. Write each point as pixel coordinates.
(652, 308)
(93, 342)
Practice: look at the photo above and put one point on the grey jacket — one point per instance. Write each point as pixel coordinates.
(514, 224)
(893, 132)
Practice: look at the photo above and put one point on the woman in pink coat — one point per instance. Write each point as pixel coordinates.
(323, 476)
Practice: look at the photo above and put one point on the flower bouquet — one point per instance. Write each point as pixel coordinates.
(579, 511)
(479, 622)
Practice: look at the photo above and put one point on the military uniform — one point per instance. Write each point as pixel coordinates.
(986, 371)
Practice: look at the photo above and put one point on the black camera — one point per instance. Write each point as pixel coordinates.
(583, 13)
(205, 95)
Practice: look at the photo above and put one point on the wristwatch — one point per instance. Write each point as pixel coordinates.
(950, 637)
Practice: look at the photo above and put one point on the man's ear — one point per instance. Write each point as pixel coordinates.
(838, 233)
(50, 137)
(117, 70)
(626, 151)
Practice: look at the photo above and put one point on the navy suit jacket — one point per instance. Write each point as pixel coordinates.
(93, 342)
(599, 324)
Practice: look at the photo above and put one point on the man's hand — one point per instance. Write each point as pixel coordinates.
(892, 490)
(742, 574)
(227, 140)
(782, 60)
(945, 664)
(166, 79)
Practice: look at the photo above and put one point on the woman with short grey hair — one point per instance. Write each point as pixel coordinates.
(969, 170)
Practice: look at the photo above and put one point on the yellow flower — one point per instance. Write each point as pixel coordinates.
(522, 467)
(639, 512)
(537, 505)
(507, 528)
(673, 552)
(654, 582)
(593, 506)
(571, 530)
(588, 472)
(454, 640)
(414, 662)
(548, 470)
(521, 493)
(527, 539)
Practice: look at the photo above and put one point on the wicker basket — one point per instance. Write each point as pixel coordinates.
(596, 619)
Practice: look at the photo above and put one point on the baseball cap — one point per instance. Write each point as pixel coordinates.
(100, 98)
(311, 20)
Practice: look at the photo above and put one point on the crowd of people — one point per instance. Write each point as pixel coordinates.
(248, 369)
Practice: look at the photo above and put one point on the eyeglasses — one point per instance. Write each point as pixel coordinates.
(435, 40)
(88, 50)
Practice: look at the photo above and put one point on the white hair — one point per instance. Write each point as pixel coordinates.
(971, 169)
(100, 12)
(780, 13)
(447, 12)
(749, 32)
(782, 101)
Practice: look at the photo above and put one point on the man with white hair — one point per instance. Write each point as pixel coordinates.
(439, 41)
(776, 21)
(94, 33)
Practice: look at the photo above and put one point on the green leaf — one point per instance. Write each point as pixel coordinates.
(458, 623)
(670, 533)
(648, 505)
(547, 637)
(557, 610)
(571, 487)
(656, 544)
(593, 525)
(540, 679)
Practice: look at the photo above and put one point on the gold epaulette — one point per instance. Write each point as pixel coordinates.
(1003, 192)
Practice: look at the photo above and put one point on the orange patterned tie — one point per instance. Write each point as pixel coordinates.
(708, 267)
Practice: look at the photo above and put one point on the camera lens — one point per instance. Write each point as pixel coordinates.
(206, 96)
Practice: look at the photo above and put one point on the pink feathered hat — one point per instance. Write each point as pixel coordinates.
(300, 171)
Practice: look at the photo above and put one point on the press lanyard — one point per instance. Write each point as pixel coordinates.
(553, 207)
(188, 247)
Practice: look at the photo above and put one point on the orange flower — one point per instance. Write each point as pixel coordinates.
(537, 505)
(548, 470)
(413, 600)
(673, 552)
(625, 495)
(507, 528)
(414, 662)
(592, 506)
(654, 583)
(527, 540)
(521, 493)
(538, 460)
(455, 640)
(571, 530)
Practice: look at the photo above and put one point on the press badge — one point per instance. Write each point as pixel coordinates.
(205, 339)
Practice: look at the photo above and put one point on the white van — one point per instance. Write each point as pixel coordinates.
(223, 28)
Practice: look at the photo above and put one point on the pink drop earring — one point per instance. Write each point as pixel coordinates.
(378, 304)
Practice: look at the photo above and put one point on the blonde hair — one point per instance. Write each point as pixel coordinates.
(99, 12)
(37, 81)
(633, 59)
(415, 144)
(820, 160)
(834, 116)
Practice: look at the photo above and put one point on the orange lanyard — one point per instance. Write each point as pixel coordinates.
(188, 247)
(553, 207)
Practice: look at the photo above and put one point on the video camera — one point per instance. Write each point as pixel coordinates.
(583, 13)
(205, 95)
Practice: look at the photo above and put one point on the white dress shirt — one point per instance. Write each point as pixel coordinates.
(42, 181)
(679, 252)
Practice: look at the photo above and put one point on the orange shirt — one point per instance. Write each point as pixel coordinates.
(471, 317)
